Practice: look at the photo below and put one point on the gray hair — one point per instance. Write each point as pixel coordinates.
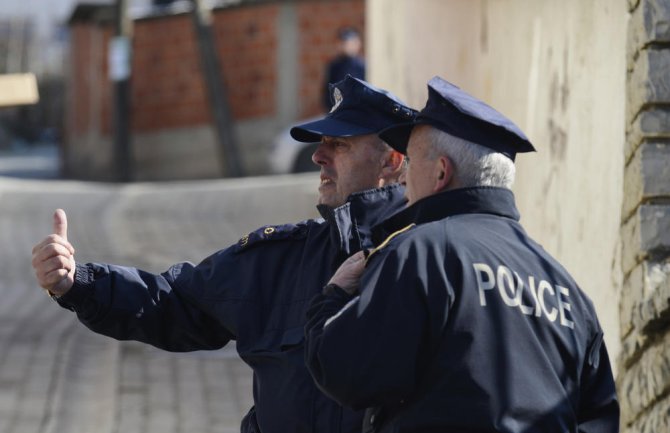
(474, 164)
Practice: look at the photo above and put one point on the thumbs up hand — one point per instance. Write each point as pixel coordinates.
(60, 223)
(53, 258)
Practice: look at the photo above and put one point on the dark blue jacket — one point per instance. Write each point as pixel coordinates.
(255, 292)
(464, 324)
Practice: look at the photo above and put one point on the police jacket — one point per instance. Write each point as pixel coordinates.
(464, 324)
(255, 292)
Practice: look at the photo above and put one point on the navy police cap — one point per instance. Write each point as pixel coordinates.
(457, 113)
(358, 109)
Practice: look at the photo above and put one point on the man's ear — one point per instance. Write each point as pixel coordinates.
(392, 165)
(444, 174)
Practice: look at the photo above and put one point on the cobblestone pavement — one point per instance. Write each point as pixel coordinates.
(58, 377)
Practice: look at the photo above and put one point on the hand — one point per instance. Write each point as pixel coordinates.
(348, 275)
(53, 258)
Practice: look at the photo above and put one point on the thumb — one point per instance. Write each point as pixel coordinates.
(60, 223)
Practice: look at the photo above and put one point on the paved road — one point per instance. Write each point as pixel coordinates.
(58, 377)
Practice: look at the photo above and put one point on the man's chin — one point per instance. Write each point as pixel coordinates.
(329, 200)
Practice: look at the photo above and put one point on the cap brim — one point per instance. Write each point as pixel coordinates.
(313, 131)
(397, 136)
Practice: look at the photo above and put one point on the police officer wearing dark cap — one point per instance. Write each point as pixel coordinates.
(256, 291)
(459, 321)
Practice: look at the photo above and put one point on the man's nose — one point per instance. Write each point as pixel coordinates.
(320, 157)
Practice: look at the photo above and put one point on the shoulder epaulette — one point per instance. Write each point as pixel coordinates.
(273, 233)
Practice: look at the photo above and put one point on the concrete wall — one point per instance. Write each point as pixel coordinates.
(558, 69)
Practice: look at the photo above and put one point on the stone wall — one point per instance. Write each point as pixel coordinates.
(644, 381)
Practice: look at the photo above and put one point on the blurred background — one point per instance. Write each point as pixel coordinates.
(193, 92)
(174, 115)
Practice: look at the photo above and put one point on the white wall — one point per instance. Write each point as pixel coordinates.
(558, 70)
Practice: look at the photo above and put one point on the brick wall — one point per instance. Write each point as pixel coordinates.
(644, 379)
(168, 90)
(90, 96)
(87, 150)
(247, 43)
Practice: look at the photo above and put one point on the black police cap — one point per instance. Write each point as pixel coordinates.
(460, 114)
(346, 33)
(358, 109)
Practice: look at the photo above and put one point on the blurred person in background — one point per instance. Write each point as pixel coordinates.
(347, 62)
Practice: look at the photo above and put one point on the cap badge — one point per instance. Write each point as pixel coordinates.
(337, 96)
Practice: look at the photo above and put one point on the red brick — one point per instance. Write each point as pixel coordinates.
(167, 87)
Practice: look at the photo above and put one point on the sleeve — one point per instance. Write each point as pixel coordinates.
(599, 407)
(364, 351)
(167, 310)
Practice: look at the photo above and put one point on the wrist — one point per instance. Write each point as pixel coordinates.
(56, 294)
(331, 288)
(334, 288)
(52, 295)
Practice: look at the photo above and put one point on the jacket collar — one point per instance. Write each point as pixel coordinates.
(351, 224)
(482, 199)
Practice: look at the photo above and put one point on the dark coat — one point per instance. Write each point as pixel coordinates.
(464, 324)
(255, 292)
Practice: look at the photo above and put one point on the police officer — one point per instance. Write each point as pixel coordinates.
(347, 62)
(461, 323)
(256, 291)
